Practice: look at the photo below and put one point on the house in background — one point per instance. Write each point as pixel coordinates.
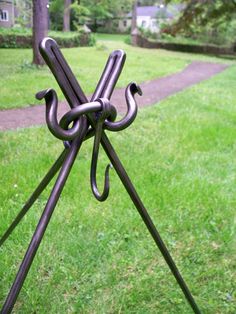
(15, 13)
(7, 13)
(150, 17)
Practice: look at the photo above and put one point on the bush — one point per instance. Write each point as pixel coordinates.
(22, 38)
(148, 34)
(15, 41)
(128, 40)
(222, 33)
(107, 30)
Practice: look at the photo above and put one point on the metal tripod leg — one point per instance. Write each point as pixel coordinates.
(144, 214)
(101, 92)
(43, 222)
(43, 184)
(147, 220)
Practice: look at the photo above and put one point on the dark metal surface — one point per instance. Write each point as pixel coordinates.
(43, 222)
(97, 138)
(88, 119)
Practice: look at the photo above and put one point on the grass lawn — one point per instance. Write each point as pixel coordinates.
(99, 257)
(111, 37)
(19, 80)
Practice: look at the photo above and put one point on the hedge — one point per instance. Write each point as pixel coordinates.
(192, 48)
(25, 40)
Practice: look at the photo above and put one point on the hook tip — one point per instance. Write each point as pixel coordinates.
(135, 88)
(43, 93)
(139, 90)
(40, 95)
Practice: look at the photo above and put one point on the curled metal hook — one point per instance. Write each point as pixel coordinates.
(91, 107)
(105, 114)
(51, 100)
(101, 116)
(132, 109)
(61, 130)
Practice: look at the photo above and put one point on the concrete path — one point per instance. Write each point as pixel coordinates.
(153, 91)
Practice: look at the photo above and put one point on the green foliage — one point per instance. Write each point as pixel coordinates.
(24, 9)
(97, 11)
(128, 40)
(202, 39)
(28, 66)
(22, 38)
(56, 10)
(207, 20)
(92, 12)
(80, 14)
(15, 38)
(15, 31)
(91, 40)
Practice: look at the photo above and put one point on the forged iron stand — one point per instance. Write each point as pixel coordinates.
(88, 119)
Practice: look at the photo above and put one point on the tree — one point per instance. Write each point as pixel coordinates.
(80, 14)
(201, 13)
(40, 27)
(134, 17)
(99, 10)
(66, 16)
(88, 11)
(56, 10)
(24, 12)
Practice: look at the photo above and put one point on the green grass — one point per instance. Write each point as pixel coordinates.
(110, 37)
(98, 257)
(19, 80)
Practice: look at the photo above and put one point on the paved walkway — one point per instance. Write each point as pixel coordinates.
(153, 91)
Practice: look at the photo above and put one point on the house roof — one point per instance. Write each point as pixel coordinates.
(153, 11)
(6, 1)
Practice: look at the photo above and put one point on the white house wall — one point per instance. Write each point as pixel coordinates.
(124, 25)
(147, 23)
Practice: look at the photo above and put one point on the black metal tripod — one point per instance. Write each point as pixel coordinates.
(88, 119)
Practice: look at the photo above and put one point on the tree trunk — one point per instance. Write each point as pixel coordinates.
(66, 16)
(40, 27)
(95, 25)
(134, 17)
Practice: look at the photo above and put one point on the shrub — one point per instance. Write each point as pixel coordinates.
(128, 40)
(22, 38)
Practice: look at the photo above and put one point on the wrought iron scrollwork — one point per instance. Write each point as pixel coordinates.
(105, 114)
